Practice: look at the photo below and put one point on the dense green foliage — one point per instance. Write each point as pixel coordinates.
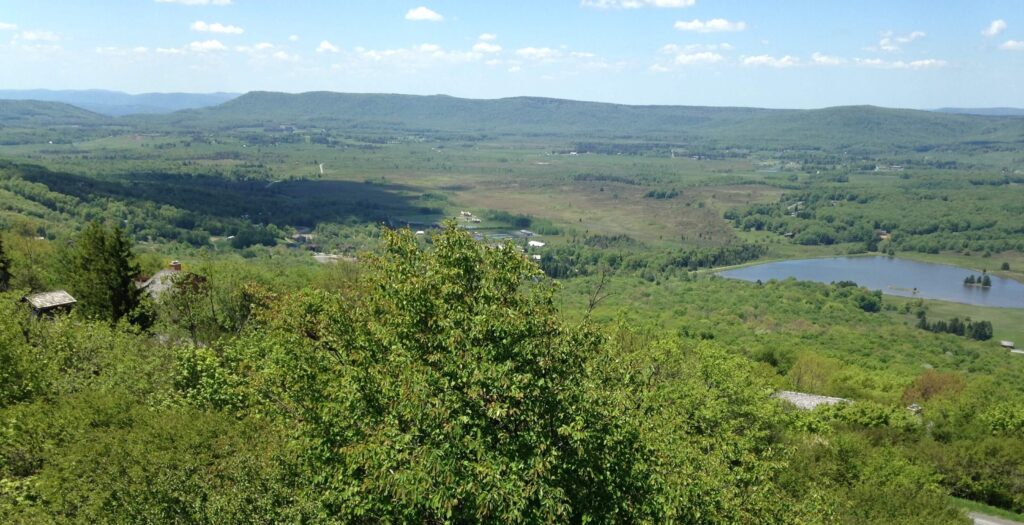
(441, 385)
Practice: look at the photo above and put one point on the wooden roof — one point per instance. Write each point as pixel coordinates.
(49, 300)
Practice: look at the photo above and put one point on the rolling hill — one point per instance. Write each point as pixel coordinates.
(837, 126)
(116, 103)
(31, 113)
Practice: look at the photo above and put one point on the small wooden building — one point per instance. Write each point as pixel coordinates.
(49, 303)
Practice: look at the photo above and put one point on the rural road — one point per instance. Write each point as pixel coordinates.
(981, 519)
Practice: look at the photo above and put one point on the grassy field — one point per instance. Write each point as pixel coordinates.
(1007, 323)
(976, 261)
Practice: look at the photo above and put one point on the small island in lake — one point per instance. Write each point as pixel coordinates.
(983, 281)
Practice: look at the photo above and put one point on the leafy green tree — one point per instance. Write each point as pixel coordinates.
(449, 391)
(102, 273)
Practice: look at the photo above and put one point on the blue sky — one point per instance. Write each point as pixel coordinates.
(771, 53)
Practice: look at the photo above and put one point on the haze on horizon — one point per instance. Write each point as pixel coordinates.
(687, 52)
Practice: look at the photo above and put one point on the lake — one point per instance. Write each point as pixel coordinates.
(892, 276)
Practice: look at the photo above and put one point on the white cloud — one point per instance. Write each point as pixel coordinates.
(7, 27)
(169, 51)
(262, 46)
(704, 57)
(416, 56)
(293, 38)
(770, 61)
(690, 55)
(1012, 45)
(488, 37)
(423, 14)
(538, 53)
(929, 63)
(715, 25)
(636, 4)
(825, 60)
(689, 48)
(215, 27)
(891, 42)
(39, 36)
(281, 55)
(121, 51)
(327, 47)
(993, 29)
(486, 47)
(195, 2)
(206, 45)
(514, 69)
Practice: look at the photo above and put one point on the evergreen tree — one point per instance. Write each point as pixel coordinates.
(956, 326)
(981, 331)
(102, 273)
(969, 280)
(5, 268)
(986, 281)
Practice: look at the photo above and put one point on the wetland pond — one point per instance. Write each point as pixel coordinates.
(893, 276)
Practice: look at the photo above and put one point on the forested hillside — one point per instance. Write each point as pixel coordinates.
(832, 127)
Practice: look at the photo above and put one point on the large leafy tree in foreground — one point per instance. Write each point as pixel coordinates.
(447, 390)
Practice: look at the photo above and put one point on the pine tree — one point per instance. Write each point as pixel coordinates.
(986, 281)
(103, 272)
(5, 268)
(969, 280)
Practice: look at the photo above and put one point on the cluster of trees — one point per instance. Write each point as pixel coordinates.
(611, 254)
(662, 194)
(983, 280)
(978, 330)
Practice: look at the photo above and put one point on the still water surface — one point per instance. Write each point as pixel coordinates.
(892, 276)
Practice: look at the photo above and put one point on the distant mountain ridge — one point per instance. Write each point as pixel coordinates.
(988, 112)
(837, 126)
(38, 113)
(116, 103)
(843, 128)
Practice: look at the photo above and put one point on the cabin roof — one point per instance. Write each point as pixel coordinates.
(808, 401)
(49, 300)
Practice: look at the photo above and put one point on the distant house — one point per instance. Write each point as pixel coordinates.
(808, 401)
(1007, 345)
(50, 303)
(535, 244)
(161, 281)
